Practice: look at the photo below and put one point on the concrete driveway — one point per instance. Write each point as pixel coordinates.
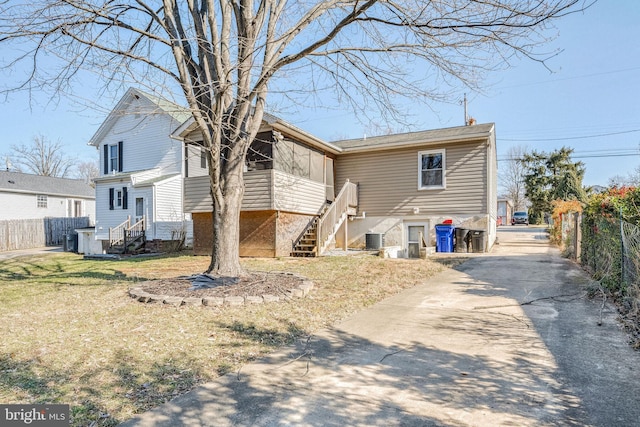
(507, 339)
(30, 252)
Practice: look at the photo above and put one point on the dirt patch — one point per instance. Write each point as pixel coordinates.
(254, 284)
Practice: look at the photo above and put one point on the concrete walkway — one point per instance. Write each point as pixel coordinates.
(507, 339)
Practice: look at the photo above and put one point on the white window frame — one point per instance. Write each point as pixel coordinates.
(114, 161)
(42, 201)
(444, 168)
(118, 197)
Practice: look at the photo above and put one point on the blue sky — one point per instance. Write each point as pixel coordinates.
(589, 102)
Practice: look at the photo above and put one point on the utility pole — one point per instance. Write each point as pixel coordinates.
(466, 117)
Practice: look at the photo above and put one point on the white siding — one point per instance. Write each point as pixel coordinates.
(146, 147)
(24, 206)
(169, 219)
(146, 142)
(106, 218)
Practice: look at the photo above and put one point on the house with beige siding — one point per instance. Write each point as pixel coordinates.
(289, 183)
(410, 182)
(304, 195)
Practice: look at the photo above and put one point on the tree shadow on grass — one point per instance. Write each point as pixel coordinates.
(122, 385)
(55, 273)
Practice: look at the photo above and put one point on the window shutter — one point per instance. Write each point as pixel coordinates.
(106, 158)
(186, 160)
(120, 156)
(112, 193)
(125, 204)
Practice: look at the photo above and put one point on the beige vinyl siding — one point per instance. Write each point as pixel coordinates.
(295, 194)
(194, 161)
(257, 190)
(264, 190)
(388, 181)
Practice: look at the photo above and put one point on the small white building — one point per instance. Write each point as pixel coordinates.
(27, 196)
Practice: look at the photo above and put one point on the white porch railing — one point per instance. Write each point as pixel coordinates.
(125, 232)
(345, 204)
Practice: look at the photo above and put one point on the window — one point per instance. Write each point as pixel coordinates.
(431, 169)
(299, 160)
(41, 200)
(139, 208)
(118, 197)
(112, 157)
(203, 158)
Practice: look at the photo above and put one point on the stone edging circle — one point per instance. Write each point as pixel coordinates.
(140, 295)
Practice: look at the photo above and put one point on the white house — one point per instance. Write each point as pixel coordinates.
(26, 196)
(141, 170)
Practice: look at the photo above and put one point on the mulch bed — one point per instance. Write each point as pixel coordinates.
(253, 284)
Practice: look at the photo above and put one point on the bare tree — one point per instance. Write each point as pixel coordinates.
(87, 171)
(42, 157)
(226, 56)
(511, 176)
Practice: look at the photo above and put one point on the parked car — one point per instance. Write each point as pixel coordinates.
(520, 217)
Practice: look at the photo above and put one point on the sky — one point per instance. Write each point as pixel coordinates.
(587, 100)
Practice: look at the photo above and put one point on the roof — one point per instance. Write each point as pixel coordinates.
(121, 176)
(17, 182)
(178, 113)
(277, 124)
(446, 135)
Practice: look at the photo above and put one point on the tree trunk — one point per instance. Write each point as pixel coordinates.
(225, 260)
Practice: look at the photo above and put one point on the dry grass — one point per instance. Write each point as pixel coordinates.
(72, 335)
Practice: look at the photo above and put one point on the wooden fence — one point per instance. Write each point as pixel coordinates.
(34, 233)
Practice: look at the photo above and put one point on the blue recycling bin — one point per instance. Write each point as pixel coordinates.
(444, 237)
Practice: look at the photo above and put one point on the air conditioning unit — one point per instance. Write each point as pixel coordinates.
(373, 241)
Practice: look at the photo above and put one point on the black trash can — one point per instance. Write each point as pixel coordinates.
(70, 242)
(479, 240)
(463, 239)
